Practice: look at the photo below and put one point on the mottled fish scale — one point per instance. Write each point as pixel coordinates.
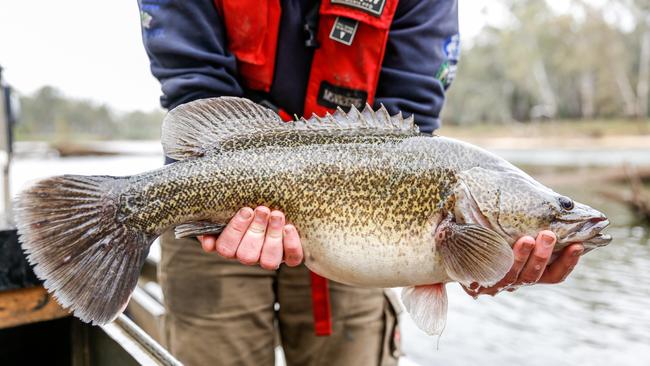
(376, 204)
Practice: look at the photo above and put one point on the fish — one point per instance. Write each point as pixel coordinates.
(376, 203)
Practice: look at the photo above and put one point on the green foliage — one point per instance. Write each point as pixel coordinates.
(545, 64)
(48, 115)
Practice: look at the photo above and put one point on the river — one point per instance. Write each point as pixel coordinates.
(599, 316)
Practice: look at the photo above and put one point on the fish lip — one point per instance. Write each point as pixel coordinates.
(597, 224)
(590, 232)
(599, 240)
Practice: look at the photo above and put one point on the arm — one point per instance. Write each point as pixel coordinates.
(186, 44)
(420, 59)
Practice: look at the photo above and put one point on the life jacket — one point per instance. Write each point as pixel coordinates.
(351, 37)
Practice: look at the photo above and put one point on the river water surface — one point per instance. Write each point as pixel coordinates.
(599, 316)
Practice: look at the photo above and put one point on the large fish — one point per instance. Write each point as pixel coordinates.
(377, 204)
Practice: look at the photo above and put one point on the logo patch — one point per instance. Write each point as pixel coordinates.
(451, 47)
(374, 7)
(145, 19)
(332, 96)
(344, 30)
(447, 71)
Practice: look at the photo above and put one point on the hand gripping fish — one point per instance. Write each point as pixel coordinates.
(377, 204)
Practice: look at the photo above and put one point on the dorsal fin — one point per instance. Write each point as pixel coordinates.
(196, 128)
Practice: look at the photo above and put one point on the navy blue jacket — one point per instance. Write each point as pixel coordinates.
(186, 43)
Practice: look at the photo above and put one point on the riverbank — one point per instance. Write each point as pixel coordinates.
(596, 134)
(554, 143)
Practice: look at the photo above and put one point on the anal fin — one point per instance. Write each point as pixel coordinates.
(427, 306)
(197, 228)
(473, 253)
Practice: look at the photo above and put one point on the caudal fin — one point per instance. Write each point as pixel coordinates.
(70, 229)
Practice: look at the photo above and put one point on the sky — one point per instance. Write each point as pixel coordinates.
(93, 49)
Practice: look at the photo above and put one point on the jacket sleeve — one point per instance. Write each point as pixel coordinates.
(420, 60)
(186, 45)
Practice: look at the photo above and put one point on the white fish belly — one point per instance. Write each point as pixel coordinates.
(372, 262)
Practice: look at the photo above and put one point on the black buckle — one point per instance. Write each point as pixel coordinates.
(310, 36)
(311, 26)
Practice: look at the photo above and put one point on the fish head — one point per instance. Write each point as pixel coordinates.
(513, 204)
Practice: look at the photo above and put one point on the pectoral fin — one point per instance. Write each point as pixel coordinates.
(472, 253)
(198, 228)
(427, 306)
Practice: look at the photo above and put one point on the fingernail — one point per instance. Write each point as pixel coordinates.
(276, 220)
(288, 229)
(245, 213)
(473, 286)
(528, 245)
(547, 239)
(260, 216)
(578, 252)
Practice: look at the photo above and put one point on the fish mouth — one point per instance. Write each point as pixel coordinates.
(589, 233)
(599, 240)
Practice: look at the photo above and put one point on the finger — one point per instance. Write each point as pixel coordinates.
(562, 267)
(521, 251)
(472, 290)
(251, 244)
(228, 242)
(271, 256)
(208, 242)
(292, 246)
(538, 259)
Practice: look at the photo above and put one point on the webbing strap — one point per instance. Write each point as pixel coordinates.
(320, 298)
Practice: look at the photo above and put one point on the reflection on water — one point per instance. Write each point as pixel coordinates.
(599, 316)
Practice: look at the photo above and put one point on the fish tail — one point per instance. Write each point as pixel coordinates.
(70, 230)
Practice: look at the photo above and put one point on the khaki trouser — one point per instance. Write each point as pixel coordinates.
(220, 312)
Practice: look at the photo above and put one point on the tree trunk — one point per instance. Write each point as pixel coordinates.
(627, 93)
(587, 105)
(545, 90)
(644, 71)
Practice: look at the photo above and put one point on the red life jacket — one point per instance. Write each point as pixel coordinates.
(352, 37)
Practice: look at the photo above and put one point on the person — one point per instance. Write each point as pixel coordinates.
(300, 57)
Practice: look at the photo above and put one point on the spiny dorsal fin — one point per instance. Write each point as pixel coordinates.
(368, 119)
(196, 128)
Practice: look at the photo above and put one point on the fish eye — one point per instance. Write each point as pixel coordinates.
(565, 203)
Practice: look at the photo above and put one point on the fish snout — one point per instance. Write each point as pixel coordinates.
(590, 233)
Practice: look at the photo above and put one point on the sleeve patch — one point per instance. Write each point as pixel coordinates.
(447, 70)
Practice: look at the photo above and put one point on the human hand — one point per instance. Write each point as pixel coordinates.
(531, 264)
(261, 236)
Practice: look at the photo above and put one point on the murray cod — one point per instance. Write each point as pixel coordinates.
(377, 204)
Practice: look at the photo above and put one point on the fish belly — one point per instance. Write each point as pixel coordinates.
(371, 260)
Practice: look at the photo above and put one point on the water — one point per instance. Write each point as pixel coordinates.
(599, 316)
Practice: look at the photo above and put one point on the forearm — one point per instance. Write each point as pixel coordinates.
(186, 44)
(420, 60)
